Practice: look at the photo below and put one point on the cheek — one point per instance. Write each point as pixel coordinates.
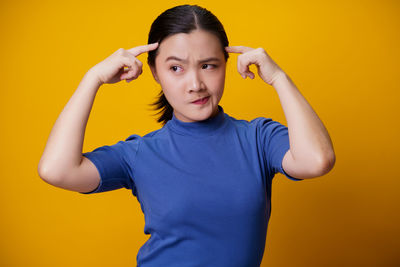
(167, 81)
(217, 81)
(170, 88)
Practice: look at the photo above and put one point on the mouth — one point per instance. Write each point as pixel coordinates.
(201, 101)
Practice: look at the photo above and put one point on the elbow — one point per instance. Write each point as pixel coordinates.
(47, 175)
(325, 163)
(44, 173)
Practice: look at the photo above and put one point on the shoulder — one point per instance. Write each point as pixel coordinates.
(256, 124)
(262, 131)
(261, 122)
(150, 137)
(266, 125)
(156, 133)
(152, 134)
(238, 123)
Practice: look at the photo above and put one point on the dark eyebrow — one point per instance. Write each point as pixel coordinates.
(185, 61)
(209, 59)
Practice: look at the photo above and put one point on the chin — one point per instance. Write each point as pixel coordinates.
(199, 114)
(202, 118)
(204, 114)
(197, 117)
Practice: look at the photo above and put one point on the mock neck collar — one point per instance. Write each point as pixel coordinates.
(198, 128)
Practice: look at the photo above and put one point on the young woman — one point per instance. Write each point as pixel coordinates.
(204, 179)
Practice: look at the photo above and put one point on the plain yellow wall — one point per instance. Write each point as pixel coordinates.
(342, 55)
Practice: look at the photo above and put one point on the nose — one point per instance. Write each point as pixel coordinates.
(195, 82)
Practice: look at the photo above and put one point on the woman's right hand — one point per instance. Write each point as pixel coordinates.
(112, 69)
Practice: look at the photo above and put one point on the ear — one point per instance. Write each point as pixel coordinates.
(154, 72)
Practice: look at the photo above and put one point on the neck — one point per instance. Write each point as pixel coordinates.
(199, 128)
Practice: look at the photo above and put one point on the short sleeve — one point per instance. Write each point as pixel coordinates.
(275, 142)
(115, 165)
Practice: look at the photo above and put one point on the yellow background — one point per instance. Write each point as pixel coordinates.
(342, 55)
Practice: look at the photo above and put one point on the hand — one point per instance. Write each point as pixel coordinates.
(112, 69)
(268, 70)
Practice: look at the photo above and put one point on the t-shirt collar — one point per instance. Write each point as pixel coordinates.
(198, 128)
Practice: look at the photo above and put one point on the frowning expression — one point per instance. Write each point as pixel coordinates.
(189, 67)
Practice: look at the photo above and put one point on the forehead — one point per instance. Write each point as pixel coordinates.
(197, 44)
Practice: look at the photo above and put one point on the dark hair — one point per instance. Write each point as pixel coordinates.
(181, 19)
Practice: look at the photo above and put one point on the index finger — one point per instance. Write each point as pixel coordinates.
(142, 49)
(237, 49)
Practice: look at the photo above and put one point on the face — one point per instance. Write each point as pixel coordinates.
(190, 67)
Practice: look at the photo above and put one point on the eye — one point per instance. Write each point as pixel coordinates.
(208, 66)
(176, 69)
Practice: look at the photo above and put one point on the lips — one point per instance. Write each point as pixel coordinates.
(200, 99)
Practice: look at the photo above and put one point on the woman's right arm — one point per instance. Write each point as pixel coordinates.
(62, 163)
(62, 155)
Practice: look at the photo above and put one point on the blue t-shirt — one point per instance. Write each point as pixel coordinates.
(204, 188)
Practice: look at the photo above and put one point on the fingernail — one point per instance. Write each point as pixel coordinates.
(243, 76)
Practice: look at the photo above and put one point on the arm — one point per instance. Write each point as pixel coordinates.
(63, 151)
(311, 151)
(62, 163)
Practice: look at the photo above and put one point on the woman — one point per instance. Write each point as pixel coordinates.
(204, 179)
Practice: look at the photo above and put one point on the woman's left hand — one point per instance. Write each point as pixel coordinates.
(268, 70)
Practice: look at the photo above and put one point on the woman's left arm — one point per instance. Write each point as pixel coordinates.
(311, 152)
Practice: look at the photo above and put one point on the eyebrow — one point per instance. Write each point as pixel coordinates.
(185, 60)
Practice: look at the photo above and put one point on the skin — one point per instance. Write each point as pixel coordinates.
(311, 151)
(188, 78)
(183, 80)
(190, 66)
